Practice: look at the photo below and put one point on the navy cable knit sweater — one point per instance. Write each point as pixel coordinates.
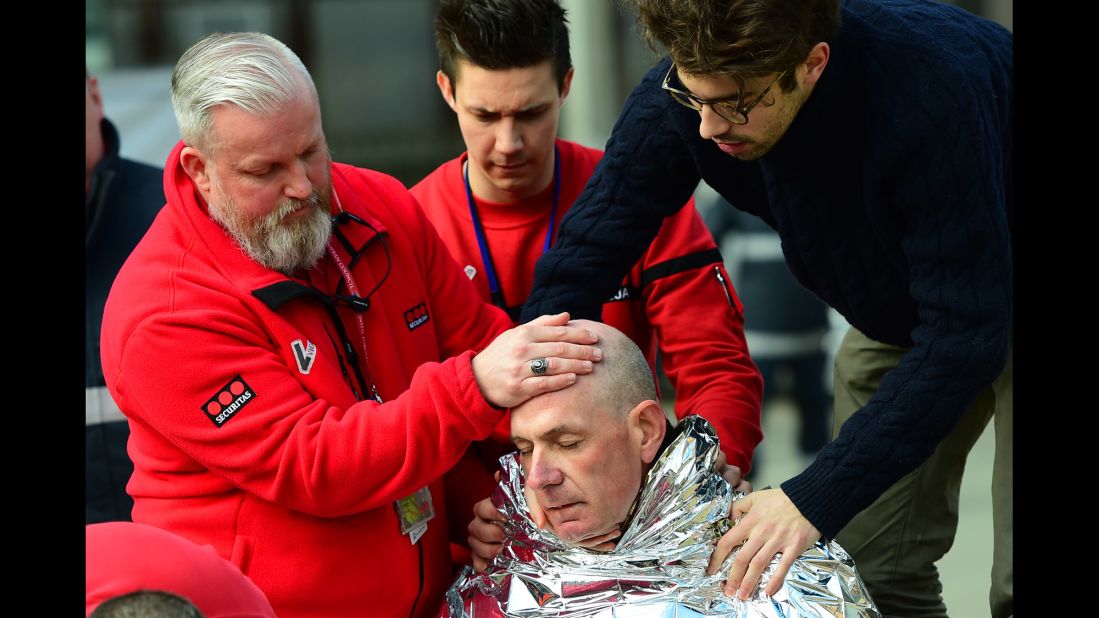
(891, 192)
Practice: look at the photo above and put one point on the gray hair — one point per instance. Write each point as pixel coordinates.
(250, 70)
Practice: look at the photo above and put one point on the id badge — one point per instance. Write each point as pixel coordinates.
(415, 511)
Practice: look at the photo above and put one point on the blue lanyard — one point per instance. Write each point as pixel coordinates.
(486, 256)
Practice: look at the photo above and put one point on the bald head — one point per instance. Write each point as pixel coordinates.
(619, 382)
(585, 448)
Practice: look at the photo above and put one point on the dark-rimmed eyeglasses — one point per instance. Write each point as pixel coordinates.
(729, 109)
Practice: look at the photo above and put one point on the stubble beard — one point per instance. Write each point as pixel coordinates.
(787, 111)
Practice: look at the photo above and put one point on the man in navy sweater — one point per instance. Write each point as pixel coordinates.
(876, 139)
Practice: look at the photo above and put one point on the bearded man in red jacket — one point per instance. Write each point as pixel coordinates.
(298, 356)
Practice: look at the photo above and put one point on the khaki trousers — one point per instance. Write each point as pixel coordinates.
(897, 540)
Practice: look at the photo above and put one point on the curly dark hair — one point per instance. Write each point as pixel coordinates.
(502, 34)
(741, 39)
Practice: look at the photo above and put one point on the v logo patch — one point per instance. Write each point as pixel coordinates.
(304, 354)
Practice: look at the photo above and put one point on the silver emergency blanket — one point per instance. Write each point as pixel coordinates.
(658, 568)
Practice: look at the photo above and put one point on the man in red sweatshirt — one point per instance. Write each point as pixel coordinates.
(506, 71)
(298, 356)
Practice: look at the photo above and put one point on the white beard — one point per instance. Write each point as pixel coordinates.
(278, 245)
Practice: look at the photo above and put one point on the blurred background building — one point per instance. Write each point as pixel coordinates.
(373, 62)
(374, 65)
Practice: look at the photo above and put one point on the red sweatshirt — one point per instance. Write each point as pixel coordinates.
(677, 296)
(246, 431)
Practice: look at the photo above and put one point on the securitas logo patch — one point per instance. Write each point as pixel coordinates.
(416, 316)
(225, 404)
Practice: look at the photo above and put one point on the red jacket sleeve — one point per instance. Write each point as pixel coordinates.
(700, 328)
(287, 446)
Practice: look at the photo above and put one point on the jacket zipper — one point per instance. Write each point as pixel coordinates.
(724, 287)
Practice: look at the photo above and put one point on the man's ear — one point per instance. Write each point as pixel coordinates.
(566, 84)
(815, 63)
(446, 89)
(649, 421)
(195, 164)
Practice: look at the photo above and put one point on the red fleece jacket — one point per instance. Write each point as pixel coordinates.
(274, 461)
